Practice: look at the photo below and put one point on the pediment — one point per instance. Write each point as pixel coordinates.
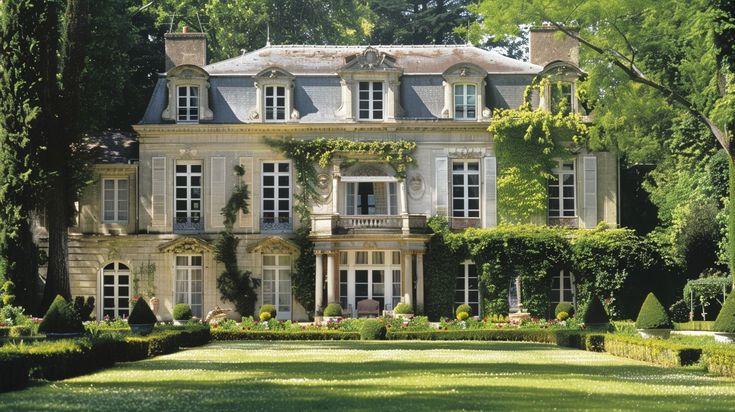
(370, 59)
(188, 71)
(274, 73)
(186, 244)
(562, 69)
(465, 70)
(274, 245)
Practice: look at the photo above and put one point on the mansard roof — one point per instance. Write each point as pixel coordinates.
(327, 60)
(112, 147)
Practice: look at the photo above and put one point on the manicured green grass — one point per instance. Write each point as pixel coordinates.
(378, 376)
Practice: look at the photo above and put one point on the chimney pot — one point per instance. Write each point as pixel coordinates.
(546, 46)
(185, 48)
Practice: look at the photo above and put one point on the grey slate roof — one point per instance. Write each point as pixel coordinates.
(113, 147)
(315, 60)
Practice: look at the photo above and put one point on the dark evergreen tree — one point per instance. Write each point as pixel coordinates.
(419, 21)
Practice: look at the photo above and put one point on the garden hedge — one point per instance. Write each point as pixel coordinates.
(661, 352)
(15, 371)
(221, 334)
(720, 361)
(522, 335)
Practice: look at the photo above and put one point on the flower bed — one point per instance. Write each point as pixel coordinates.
(656, 351)
(234, 334)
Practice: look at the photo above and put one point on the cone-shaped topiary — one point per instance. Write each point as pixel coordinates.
(141, 314)
(61, 318)
(653, 315)
(564, 307)
(595, 313)
(726, 319)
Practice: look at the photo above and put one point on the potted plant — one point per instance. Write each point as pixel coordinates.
(403, 310)
(653, 321)
(333, 312)
(141, 319)
(61, 321)
(268, 311)
(595, 316)
(182, 313)
(725, 323)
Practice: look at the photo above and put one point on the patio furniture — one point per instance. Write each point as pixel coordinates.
(368, 308)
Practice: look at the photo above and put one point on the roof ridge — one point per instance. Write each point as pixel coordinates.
(361, 46)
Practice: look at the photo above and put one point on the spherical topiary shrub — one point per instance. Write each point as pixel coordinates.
(595, 313)
(463, 308)
(653, 315)
(265, 316)
(61, 318)
(403, 309)
(463, 316)
(562, 316)
(679, 311)
(141, 314)
(564, 307)
(333, 310)
(270, 309)
(182, 311)
(372, 329)
(725, 321)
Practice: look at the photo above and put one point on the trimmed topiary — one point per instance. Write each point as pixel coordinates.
(595, 313)
(679, 311)
(141, 314)
(182, 311)
(403, 309)
(333, 310)
(463, 308)
(725, 321)
(562, 316)
(271, 309)
(653, 315)
(265, 316)
(463, 316)
(564, 307)
(61, 318)
(372, 329)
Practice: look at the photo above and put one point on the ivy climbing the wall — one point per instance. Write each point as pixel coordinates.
(527, 142)
(306, 154)
(234, 285)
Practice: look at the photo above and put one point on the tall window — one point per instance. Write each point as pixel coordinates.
(371, 100)
(188, 108)
(276, 196)
(371, 198)
(115, 200)
(465, 101)
(275, 103)
(115, 290)
(466, 189)
(189, 193)
(189, 282)
(561, 98)
(562, 191)
(466, 289)
(277, 283)
(562, 288)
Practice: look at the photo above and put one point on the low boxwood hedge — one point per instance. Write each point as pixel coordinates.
(221, 334)
(15, 371)
(661, 352)
(706, 325)
(522, 335)
(720, 361)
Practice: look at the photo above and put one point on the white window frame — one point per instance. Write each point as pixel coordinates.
(389, 266)
(190, 267)
(279, 270)
(189, 188)
(558, 182)
(466, 289)
(557, 294)
(276, 187)
(391, 198)
(371, 100)
(466, 173)
(117, 199)
(461, 110)
(117, 270)
(275, 108)
(192, 102)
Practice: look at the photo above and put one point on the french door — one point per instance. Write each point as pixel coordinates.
(277, 284)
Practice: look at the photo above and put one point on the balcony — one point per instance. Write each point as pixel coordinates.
(276, 224)
(188, 224)
(359, 224)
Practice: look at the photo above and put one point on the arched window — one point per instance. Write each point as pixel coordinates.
(115, 290)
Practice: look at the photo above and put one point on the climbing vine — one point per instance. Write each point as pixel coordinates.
(305, 154)
(527, 142)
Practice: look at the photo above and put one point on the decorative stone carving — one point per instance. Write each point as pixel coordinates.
(324, 185)
(274, 245)
(466, 153)
(185, 245)
(188, 154)
(416, 186)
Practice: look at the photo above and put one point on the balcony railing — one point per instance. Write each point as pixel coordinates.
(189, 224)
(336, 224)
(564, 221)
(370, 222)
(276, 224)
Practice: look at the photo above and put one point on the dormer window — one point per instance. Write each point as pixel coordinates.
(371, 101)
(465, 101)
(559, 94)
(188, 104)
(562, 98)
(274, 97)
(275, 103)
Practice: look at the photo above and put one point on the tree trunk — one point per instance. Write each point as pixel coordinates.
(731, 218)
(57, 277)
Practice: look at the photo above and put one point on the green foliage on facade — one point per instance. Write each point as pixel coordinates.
(653, 315)
(238, 201)
(303, 278)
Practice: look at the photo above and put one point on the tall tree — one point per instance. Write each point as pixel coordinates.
(27, 57)
(419, 21)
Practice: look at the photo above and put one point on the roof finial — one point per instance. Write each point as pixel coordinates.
(468, 42)
(268, 35)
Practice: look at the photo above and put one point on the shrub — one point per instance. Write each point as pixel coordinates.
(141, 314)
(562, 316)
(13, 316)
(564, 307)
(518, 335)
(705, 325)
(372, 329)
(463, 308)
(8, 297)
(265, 316)
(271, 309)
(15, 369)
(657, 351)
(679, 311)
(182, 311)
(218, 334)
(61, 318)
(84, 307)
(595, 313)
(625, 327)
(719, 360)
(333, 310)
(725, 321)
(653, 315)
(403, 309)
(462, 316)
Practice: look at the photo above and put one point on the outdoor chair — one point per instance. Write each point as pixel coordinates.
(368, 308)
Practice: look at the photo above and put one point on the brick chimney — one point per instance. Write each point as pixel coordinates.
(546, 46)
(185, 48)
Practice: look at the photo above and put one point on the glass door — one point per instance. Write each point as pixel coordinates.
(277, 284)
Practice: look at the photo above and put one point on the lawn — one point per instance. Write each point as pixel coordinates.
(378, 376)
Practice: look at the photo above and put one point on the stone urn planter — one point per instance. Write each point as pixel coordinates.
(724, 337)
(141, 328)
(654, 333)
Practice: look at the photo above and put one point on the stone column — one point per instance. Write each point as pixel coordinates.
(419, 281)
(407, 284)
(319, 295)
(335, 189)
(331, 276)
(405, 224)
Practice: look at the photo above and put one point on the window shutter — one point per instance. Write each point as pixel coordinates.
(491, 197)
(441, 189)
(590, 191)
(246, 221)
(158, 191)
(217, 193)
